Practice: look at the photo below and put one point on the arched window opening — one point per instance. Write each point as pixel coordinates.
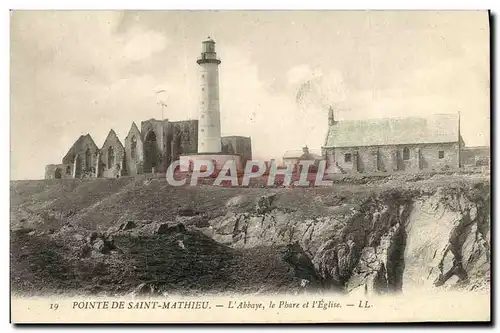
(406, 153)
(111, 157)
(150, 151)
(68, 170)
(88, 162)
(133, 146)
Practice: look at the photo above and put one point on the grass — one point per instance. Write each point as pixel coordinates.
(44, 265)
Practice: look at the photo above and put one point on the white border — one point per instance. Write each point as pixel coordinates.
(177, 5)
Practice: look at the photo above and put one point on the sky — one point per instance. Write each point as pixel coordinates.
(77, 72)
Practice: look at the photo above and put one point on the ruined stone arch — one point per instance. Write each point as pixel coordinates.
(111, 157)
(150, 151)
(57, 173)
(133, 146)
(78, 166)
(88, 159)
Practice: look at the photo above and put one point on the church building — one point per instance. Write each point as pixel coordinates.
(393, 144)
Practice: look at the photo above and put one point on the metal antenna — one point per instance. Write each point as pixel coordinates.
(161, 103)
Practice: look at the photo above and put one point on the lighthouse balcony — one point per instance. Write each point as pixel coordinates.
(208, 59)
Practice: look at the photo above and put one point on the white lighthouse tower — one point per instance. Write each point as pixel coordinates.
(209, 131)
(209, 134)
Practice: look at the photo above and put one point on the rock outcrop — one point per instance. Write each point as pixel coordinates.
(392, 240)
(97, 243)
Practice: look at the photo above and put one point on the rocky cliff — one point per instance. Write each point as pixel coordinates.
(391, 240)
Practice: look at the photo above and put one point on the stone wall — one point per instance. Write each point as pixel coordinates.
(112, 156)
(238, 145)
(184, 138)
(157, 151)
(82, 157)
(59, 171)
(187, 161)
(437, 156)
(134, 158)
(475, 156)
(368, 159)
(430, 156)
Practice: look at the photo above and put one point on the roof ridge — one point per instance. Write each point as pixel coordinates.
(401, 117)
(438, 128)
(110, 133)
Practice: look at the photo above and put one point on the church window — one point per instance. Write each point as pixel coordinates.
(111, 157)
(441, 154)
(406, 153)
(68, 170)
(87, 159)
(133, 146)
(348, 158)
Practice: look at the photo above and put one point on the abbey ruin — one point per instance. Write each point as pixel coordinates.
(153, 147)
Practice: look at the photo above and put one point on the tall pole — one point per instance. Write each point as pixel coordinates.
(163, 145)
(162, 106)
(161, 102)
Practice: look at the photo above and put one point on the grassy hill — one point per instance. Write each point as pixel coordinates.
(52, 220)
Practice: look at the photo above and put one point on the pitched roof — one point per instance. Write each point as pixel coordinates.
(296, 154)
(77, 146)
(393, 131)
(112, 136)
(134, 130)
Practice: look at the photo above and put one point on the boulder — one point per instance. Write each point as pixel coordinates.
(24, 230)
(78, 237)
(235, 201)
(127, 225)
(144, 289)
(113, 229)
(264, 204)
(99, 245)
(187, 211)
(85, 250)
(92, 237)
(167, 228)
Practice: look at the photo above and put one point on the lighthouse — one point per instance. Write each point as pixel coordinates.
(209, 132)
(211, 147)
